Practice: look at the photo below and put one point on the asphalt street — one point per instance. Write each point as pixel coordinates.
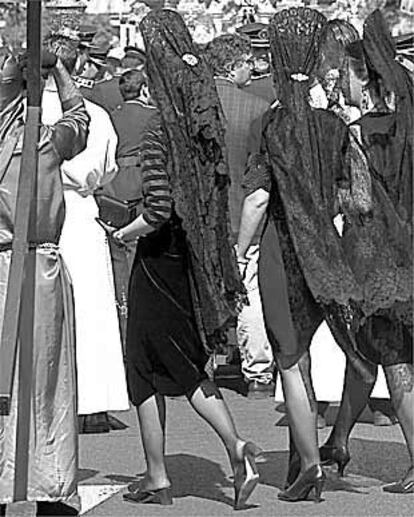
(201, 475)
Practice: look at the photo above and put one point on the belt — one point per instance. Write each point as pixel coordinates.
(7, 246)
(129, 161)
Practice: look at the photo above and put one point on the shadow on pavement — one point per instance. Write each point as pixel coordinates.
(273, 467)
(383, 460)
(198, 477)
(191, 476)
(84, 474)
(373, 463)
(120, 478)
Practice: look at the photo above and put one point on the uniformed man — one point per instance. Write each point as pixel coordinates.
(261, 83)
(95, 80)
(130, 120)
(134, 58)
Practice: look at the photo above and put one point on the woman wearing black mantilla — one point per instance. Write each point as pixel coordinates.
(184, 286)
(379, 245)
(302, 272)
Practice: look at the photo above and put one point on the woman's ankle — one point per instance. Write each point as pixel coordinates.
(155, 481)
(307, 464)
(235, 451)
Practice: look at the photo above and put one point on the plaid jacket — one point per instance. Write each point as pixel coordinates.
(242, 111)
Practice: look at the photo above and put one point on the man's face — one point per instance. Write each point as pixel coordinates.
(11, 81)
(261, 65)
(242, 70)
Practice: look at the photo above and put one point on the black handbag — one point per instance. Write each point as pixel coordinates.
(118, 213)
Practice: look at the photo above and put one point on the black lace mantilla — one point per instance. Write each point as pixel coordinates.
(192, 118)
(295, 37)
(307, 150)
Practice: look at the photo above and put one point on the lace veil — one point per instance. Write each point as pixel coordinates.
(380, 55)
(295, 38)
(373, 236)
(307, 151)
(192, 119)
(391, 159)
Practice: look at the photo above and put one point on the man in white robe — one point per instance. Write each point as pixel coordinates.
(101, 375)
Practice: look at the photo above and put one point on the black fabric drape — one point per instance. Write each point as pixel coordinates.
(191, 115)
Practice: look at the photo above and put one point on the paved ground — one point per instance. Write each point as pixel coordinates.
(201, 476)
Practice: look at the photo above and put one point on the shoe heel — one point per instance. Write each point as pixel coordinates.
(341, 466)
(164, 497)
(251, 452)
(250, 477)
(318, 487)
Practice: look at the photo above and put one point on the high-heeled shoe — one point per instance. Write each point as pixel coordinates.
(331, 454)
(404, 486)
(246, 475)
(160, 496)
(312, 479)
(400, 488)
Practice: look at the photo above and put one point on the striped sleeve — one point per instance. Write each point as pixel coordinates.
(156, 184)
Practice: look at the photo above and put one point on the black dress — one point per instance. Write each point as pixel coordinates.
(301, 267)
(164, 352)
(386, 337)
(290, 312)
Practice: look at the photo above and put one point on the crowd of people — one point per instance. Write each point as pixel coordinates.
(199, 200)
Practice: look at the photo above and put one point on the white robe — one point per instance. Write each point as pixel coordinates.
(100, 368)
(328, 370)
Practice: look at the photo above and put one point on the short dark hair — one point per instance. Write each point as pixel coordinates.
(225, 51)
(131, 83)
(65, 49)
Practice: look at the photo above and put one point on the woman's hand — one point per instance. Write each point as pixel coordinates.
(242, 262)
(112, 232)
(118, 237)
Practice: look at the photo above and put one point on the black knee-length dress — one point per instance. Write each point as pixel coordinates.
(164, 351)
(301, 266)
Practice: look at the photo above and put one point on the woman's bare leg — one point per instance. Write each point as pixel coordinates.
(210, 405)
(355, 396)
(400, 381)
(151, 416)
(302, 410)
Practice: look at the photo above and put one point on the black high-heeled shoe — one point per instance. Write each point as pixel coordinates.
(312, 479)
(160, 496)
(246, 476)
(404, 486)
(331, 454)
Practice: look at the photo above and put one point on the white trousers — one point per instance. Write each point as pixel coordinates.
(255, 350)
